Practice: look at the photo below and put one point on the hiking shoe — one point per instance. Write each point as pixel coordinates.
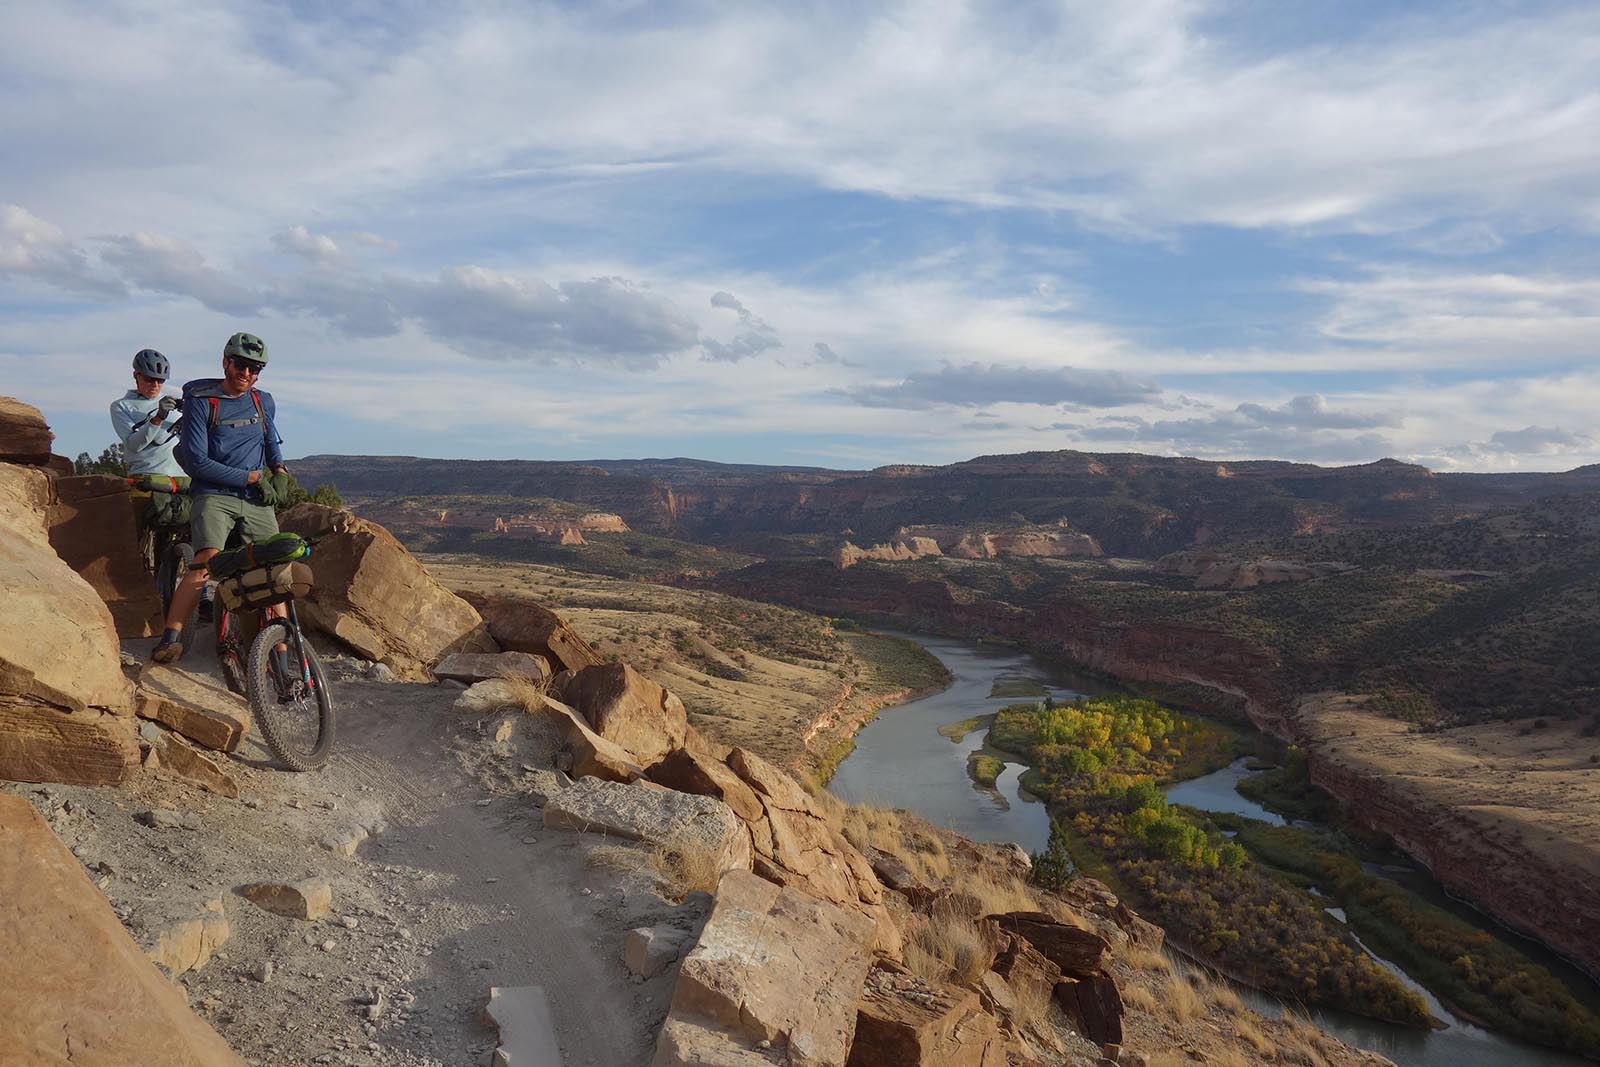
(169, 648)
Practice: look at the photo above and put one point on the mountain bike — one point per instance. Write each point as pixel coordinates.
(164, 543)
(281, 676)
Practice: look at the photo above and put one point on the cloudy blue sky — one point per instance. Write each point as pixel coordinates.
(820, 233)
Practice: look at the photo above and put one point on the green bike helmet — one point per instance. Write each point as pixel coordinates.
(245, 346)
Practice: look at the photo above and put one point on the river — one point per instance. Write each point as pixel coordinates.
(901, 760)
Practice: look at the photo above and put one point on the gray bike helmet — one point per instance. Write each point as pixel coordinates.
(245, 346)
(152, 364)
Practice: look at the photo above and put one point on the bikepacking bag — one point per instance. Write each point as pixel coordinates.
(264, 586)
(169, 502)
(279, 548)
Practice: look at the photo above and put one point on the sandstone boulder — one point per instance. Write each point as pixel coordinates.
(795, 846)
(309, 899)
(62, 691)
(775, 965)
(522, 625)
(376, 598)
(486, 696)
(527, 1028)
(92, 528)
(1030, 977)
(691, 1044)
(904, 1020)
(200, 708)
(190, 763)
(473, 667)
(74, 988)
(651, 950)
(592, 755)
(1077, 952)
(688, 771)
(1096, 1002)
(188, 944)
(643, 812)
(24, 435)
(624, 706)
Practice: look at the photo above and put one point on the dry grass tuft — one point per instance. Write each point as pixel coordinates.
(1302, 1042)
(925, 855)
(1251, 1035)
(1138, 998)
(1144, 959)
(997, 893)
(684, 869)
(626, 858)
(1181, 998)
(1228, 1057)
(525, 692)
(945, 946)
(1219, 993)
(869, 826)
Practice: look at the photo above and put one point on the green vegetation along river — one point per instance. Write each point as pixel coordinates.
(902, 760)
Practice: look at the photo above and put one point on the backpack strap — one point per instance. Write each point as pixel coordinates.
(261, 415)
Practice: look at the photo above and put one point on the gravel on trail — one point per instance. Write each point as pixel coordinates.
(455, 888)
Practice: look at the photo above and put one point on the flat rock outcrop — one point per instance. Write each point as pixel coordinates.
(74, 987)
(772, 965)
(375, 597)
(904, 548)
(64, 702)
(644, 812)
(92, 528)
(628, 709)
(194, 705)
(472, 667)
(522, 625)
(24, 435)
(791, 842)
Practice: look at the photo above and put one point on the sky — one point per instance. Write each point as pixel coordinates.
(824, 234)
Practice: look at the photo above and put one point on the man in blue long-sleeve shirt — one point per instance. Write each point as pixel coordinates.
(227, 443)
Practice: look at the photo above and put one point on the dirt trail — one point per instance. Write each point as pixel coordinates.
(460, 891)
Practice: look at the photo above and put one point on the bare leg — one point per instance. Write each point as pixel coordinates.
(187, 595)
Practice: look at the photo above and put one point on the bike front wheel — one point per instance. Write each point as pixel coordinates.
(293, 707)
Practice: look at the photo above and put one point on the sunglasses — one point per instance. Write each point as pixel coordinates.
(249, 366)
(147, 378)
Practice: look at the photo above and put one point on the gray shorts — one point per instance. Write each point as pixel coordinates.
(216, 514)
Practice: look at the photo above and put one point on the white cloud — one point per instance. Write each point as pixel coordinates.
(495, 315)
(979, 385)
(1142, 114)
(315, 248)
(161, 264)
(35, 250)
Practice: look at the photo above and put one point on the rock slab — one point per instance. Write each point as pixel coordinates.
(24, 435)
(641, 812)
(772, 964)
(92, 528)
(651, 950)
(628, 709)
(527, 1029)
(473, 667)
(906, 1021)
(309, 899)
(522, 625)
(200, 708)
(375, 597)
(74, 988)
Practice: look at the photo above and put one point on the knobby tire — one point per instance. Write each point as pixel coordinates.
(300, 732)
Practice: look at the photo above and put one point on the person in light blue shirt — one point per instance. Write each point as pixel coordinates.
(145, 421)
